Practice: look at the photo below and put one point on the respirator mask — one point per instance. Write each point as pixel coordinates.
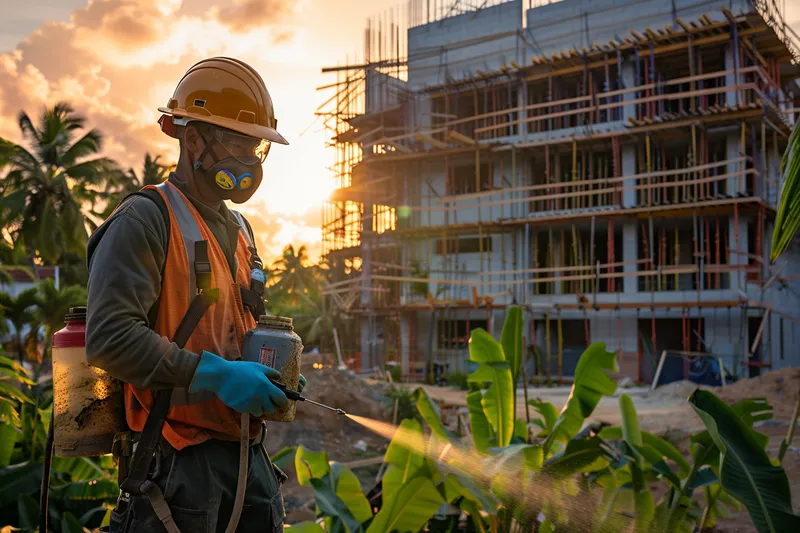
(236, 176)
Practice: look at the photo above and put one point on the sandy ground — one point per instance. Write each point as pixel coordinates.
(663, 412)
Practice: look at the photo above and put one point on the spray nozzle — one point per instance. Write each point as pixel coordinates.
(294, 395)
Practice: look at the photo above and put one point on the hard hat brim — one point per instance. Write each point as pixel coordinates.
(252, 130)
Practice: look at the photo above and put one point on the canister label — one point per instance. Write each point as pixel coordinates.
(267, 356)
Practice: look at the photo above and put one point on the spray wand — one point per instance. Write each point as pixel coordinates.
(294, 395)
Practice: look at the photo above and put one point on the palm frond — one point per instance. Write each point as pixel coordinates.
(787, 219)
(91, 143)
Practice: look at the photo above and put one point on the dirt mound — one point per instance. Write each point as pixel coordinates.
(779, 387)
(677, 390)
(319, 429)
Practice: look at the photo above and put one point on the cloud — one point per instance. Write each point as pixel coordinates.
(243, 15)
(116, 61)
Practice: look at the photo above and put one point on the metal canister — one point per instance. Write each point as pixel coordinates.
(274, 343)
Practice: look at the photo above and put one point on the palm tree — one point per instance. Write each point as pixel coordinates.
(787, 220)
(53, 305)
(293, 277)
(19, 312)
(129, 182)
(51, 176)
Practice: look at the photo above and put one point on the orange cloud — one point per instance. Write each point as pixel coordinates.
(116, 61)
(243, 15)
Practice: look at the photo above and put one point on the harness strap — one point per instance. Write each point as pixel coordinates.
(136, 482)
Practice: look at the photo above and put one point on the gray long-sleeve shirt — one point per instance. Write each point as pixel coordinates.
(126, 256)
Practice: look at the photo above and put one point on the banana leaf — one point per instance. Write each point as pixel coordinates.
(482, 434)
(662, 446)
(28, 511)
(415, 503)
(430, 413)
(70, 524)
(591, 384)
(310, 464)
(304, 527)
(284, 457)
(22, 478)
(498, 399)
(548, 412)
(746, 471)
(644, 504)
(329, 504)
(95, 489)
(348, 489)
(587, 455)
(511, 339)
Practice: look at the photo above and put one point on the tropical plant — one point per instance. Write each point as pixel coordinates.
(53, 305)
(565, 475)
(20, 312)
(787, 219)
(127, 182)
(49, 179)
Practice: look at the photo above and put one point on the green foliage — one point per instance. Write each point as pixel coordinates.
(505, 482)
(406, 404)
(511, 339)
(746, 470)
(787, 218)
(498, 399)
(408, 508)
(591, 384)
(50, 177)
(458, 380)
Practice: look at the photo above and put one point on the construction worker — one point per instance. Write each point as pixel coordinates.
(175, 255)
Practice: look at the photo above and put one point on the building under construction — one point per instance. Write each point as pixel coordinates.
(612, 166)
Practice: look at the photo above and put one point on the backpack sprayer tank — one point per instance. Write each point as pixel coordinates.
(88, 404)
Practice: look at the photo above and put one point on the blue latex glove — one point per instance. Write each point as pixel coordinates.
(301, 384)
(243, 386)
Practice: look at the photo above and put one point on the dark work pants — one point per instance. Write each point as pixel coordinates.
(199, 484)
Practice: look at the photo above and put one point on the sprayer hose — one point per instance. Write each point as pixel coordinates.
(45, 488)
(241, 483)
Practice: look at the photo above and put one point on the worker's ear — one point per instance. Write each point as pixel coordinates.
(193, 142)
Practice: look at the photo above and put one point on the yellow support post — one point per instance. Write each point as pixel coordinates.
(560, 350)
(547, 343)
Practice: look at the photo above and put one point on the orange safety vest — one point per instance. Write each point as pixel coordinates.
(196, 417)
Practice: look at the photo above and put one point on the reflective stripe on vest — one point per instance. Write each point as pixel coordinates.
(243, 229)
(191, 234)
(189, 230)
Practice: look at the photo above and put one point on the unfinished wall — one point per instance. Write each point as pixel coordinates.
(574, 23)
(454, 48)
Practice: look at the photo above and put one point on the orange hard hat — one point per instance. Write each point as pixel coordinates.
(227, 93)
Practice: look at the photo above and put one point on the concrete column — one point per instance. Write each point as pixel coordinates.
(738, 279)
(628, 79)
(731, 62)
(629, 249)
(367, 333)
(405, 340)
(736, 183)
(628, 169)
(557, 254)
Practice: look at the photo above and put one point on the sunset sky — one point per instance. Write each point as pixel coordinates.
(118, 60)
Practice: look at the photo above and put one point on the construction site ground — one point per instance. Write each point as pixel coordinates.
(663, 412)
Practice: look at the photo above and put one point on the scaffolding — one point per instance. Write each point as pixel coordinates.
(628, 180)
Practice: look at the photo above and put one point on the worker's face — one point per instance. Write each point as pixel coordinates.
(227, 163)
